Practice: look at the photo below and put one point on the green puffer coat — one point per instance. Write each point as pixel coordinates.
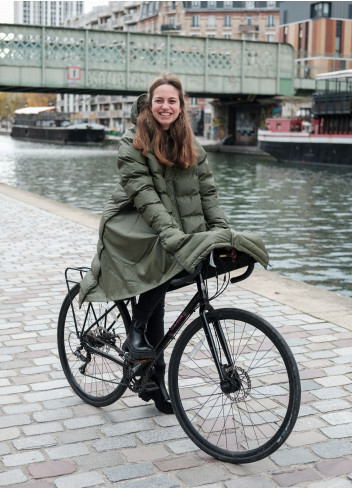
(159, 221)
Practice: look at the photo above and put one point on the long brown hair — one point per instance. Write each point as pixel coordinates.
(172, 147)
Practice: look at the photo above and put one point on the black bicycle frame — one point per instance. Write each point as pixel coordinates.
(201, 300)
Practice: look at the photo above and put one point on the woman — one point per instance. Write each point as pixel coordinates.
(163, 217)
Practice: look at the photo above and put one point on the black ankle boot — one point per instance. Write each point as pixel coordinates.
(161, 396)
(136, 342)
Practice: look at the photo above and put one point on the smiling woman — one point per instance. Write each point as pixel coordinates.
(165, 105)
(163, 218)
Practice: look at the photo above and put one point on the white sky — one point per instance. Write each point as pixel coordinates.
(6, 9)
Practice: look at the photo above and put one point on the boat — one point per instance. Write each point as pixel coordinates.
(320, 134)
(45, 124)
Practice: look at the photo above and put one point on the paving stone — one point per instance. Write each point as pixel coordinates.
(67, 451)
(34, 442)
(129, 427)
(331, 405)
(4, 449)
(145, 453)
(9, 433)
(114, 443)
(333, 449)
(129, 471)
(203, 475)
(21, 408)
(182, 446)
(336, 467)
(41, 428)
(178, 463)
(339, 431)
(250, 481)
(334, 380)
(24, 458)
(76, 423)
(301, 439)
(296, 477)
(36, 483)
(294, 456)
(341, 417)
(330, 483)
(100, 460)
(154, 436)
(75, 436)
(150, 482)
(264, 466)
(329, 393)
(52, 469)
(14, 420)
(87, 479)
(12, 477)
(52, 415)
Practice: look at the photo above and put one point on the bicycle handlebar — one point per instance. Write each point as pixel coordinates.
(189, 278)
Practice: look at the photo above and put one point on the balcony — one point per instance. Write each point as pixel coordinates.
(116, 23)
(170, 27)
(131, 18)
(248, 29)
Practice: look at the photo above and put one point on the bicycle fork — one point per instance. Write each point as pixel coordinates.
(229, 383)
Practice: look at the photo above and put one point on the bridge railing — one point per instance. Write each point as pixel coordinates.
(112, 60)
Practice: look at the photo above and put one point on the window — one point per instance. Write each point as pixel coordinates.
(270, 22)
(322, 9)
(227, 36)
(211, 21)
(270, 37)
(227, 21)
(195, 20)
(338, 36)
(249, 19)
(195, 4)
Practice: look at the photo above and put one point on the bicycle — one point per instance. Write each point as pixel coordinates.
(233, 381)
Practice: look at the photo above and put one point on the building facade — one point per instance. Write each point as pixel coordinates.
(46, 13)
(320, 32)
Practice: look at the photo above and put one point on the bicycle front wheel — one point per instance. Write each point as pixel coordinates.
(87, 339)
(249, 415)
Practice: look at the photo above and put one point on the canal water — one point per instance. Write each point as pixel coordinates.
(303, 212)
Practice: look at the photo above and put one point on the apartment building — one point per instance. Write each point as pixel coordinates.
(321, 33)
(46, 13)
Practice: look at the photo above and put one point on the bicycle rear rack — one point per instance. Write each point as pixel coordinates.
(70, 283)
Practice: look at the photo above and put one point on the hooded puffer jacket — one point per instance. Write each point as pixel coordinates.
(159, 221)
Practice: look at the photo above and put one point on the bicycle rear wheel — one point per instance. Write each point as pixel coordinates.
(250, 415)
(95, 378)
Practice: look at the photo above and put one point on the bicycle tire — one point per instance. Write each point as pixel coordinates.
(94, 378)
(243, 426)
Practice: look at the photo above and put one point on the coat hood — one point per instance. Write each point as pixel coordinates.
(136, 107)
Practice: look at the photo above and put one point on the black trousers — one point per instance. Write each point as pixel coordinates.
(150, 309)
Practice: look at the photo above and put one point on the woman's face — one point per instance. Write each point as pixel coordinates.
(165, 105)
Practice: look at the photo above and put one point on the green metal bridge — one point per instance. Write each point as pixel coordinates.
(55, 59)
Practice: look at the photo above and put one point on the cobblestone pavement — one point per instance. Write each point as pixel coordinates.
(49, 438)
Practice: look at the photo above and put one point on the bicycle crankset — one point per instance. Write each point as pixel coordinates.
(138, 378)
